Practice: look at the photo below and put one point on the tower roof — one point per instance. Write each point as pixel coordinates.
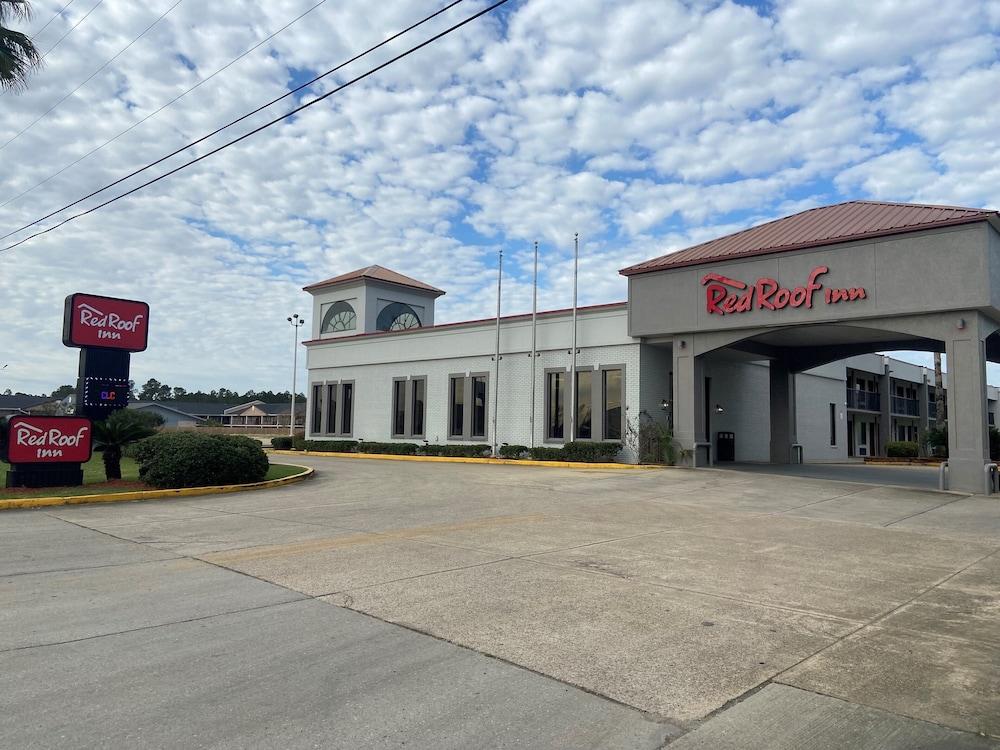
(376, 273)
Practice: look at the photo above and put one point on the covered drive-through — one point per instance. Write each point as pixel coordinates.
(820, 286)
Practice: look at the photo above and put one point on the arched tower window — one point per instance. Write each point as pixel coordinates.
(397, 316)
(339, 316)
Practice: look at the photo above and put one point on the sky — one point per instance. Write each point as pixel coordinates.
(644, 125)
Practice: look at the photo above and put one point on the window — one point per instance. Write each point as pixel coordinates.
(408, 406)
(326, 398)
(317, 410)
(418, 394)
(457, 407)
(346, 409)
(331, 407)
(833, 424)
(584, 402)
(478, 406)
(612, 403)
(397, 316)
(468, 406)
(338, 316)
(555, 396)
(992, 418)
(398, 408)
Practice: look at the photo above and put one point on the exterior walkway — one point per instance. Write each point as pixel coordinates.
(919, 477)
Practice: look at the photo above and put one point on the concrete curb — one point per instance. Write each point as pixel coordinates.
(121, 497)
(470, 460)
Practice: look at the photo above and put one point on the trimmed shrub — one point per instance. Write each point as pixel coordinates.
(514, 451)
(476, 450)
(282, 443)
(431, 450)
(901, 449)
(546, 453)
(393, 449)
(330, 446)
(190, 459)
(590, 452)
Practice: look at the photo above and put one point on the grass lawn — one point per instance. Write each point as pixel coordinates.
(94, 482)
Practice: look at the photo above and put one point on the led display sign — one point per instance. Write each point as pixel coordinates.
(34, 440)
(106, 392)
(105, 322)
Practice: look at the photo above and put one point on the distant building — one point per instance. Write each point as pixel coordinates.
(253, 414)
(11, 406)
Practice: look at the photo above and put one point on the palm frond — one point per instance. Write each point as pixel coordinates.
(14, 9)
(18, 56)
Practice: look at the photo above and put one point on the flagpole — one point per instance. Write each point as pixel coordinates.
(496, 359)
(572, 376)
(534, 341)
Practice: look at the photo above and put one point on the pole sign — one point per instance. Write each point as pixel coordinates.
(725, 296)
(48, 440)
(105, 323)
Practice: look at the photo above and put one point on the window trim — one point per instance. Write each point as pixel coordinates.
(340, 401)
(596, 428)
(317, 407)
(833, 425)
(600, 388)
(324, 429)
(547, 402)
(467, 407)
(409, 389)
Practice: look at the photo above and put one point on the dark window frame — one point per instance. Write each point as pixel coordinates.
(833, 425)
(603, 402)
(408, 394)
(468, 406)
(547, 404)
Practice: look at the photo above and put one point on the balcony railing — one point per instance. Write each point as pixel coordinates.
(866, 400)
(909, 407)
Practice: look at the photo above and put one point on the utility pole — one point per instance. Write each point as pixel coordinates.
(296, 322)
(572, 370)
(496, 372)
(534, 344)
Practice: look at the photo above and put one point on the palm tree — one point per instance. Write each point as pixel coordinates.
(122, 428)
(18, 54)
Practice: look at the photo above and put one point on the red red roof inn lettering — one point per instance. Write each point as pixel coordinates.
(725, 296)
(35, 440)
(105, 322)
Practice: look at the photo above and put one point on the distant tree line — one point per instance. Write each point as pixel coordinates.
(154, 390)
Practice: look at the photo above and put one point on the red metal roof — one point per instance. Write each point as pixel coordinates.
(478, 321)
(826, 225)
(378, 273)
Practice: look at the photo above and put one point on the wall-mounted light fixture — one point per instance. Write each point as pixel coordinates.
(719, 409)
(961, 324)
(664, 404)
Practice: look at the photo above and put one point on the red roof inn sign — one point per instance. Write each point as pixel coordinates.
(105, 322)
(34, 440)
(725, 296)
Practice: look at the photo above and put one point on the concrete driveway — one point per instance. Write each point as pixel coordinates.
(453, 605)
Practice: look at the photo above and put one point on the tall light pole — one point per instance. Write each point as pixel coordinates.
(296, 322)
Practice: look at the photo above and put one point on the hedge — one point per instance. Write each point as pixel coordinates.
(328, 446)
(514, 451)
(282, 443)
(191, 459)
(392, 449)
(901, 449)
(546, 453)
(590, 452)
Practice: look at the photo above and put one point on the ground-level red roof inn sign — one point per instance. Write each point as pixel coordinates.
(725, 296)
(36, 440)
(105, 322)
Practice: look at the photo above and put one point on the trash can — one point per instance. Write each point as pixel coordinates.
(725, 446)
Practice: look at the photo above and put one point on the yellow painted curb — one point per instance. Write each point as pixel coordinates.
(120, 497)
(471, 460)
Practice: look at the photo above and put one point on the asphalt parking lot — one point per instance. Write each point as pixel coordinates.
(389, 604)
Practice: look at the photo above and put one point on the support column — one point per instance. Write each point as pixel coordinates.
(782, 407)
(922, 416)
(688, 396)
(885, 403)
(968, 441)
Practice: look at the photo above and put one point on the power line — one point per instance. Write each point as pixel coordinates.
(70, 31)
(291, 113)
(89, 78)
(237, 120)
(58, 13)
(152, 114)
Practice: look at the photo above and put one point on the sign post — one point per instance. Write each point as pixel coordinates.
(49, 451)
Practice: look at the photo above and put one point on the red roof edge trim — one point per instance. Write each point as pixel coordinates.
(641, 268)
